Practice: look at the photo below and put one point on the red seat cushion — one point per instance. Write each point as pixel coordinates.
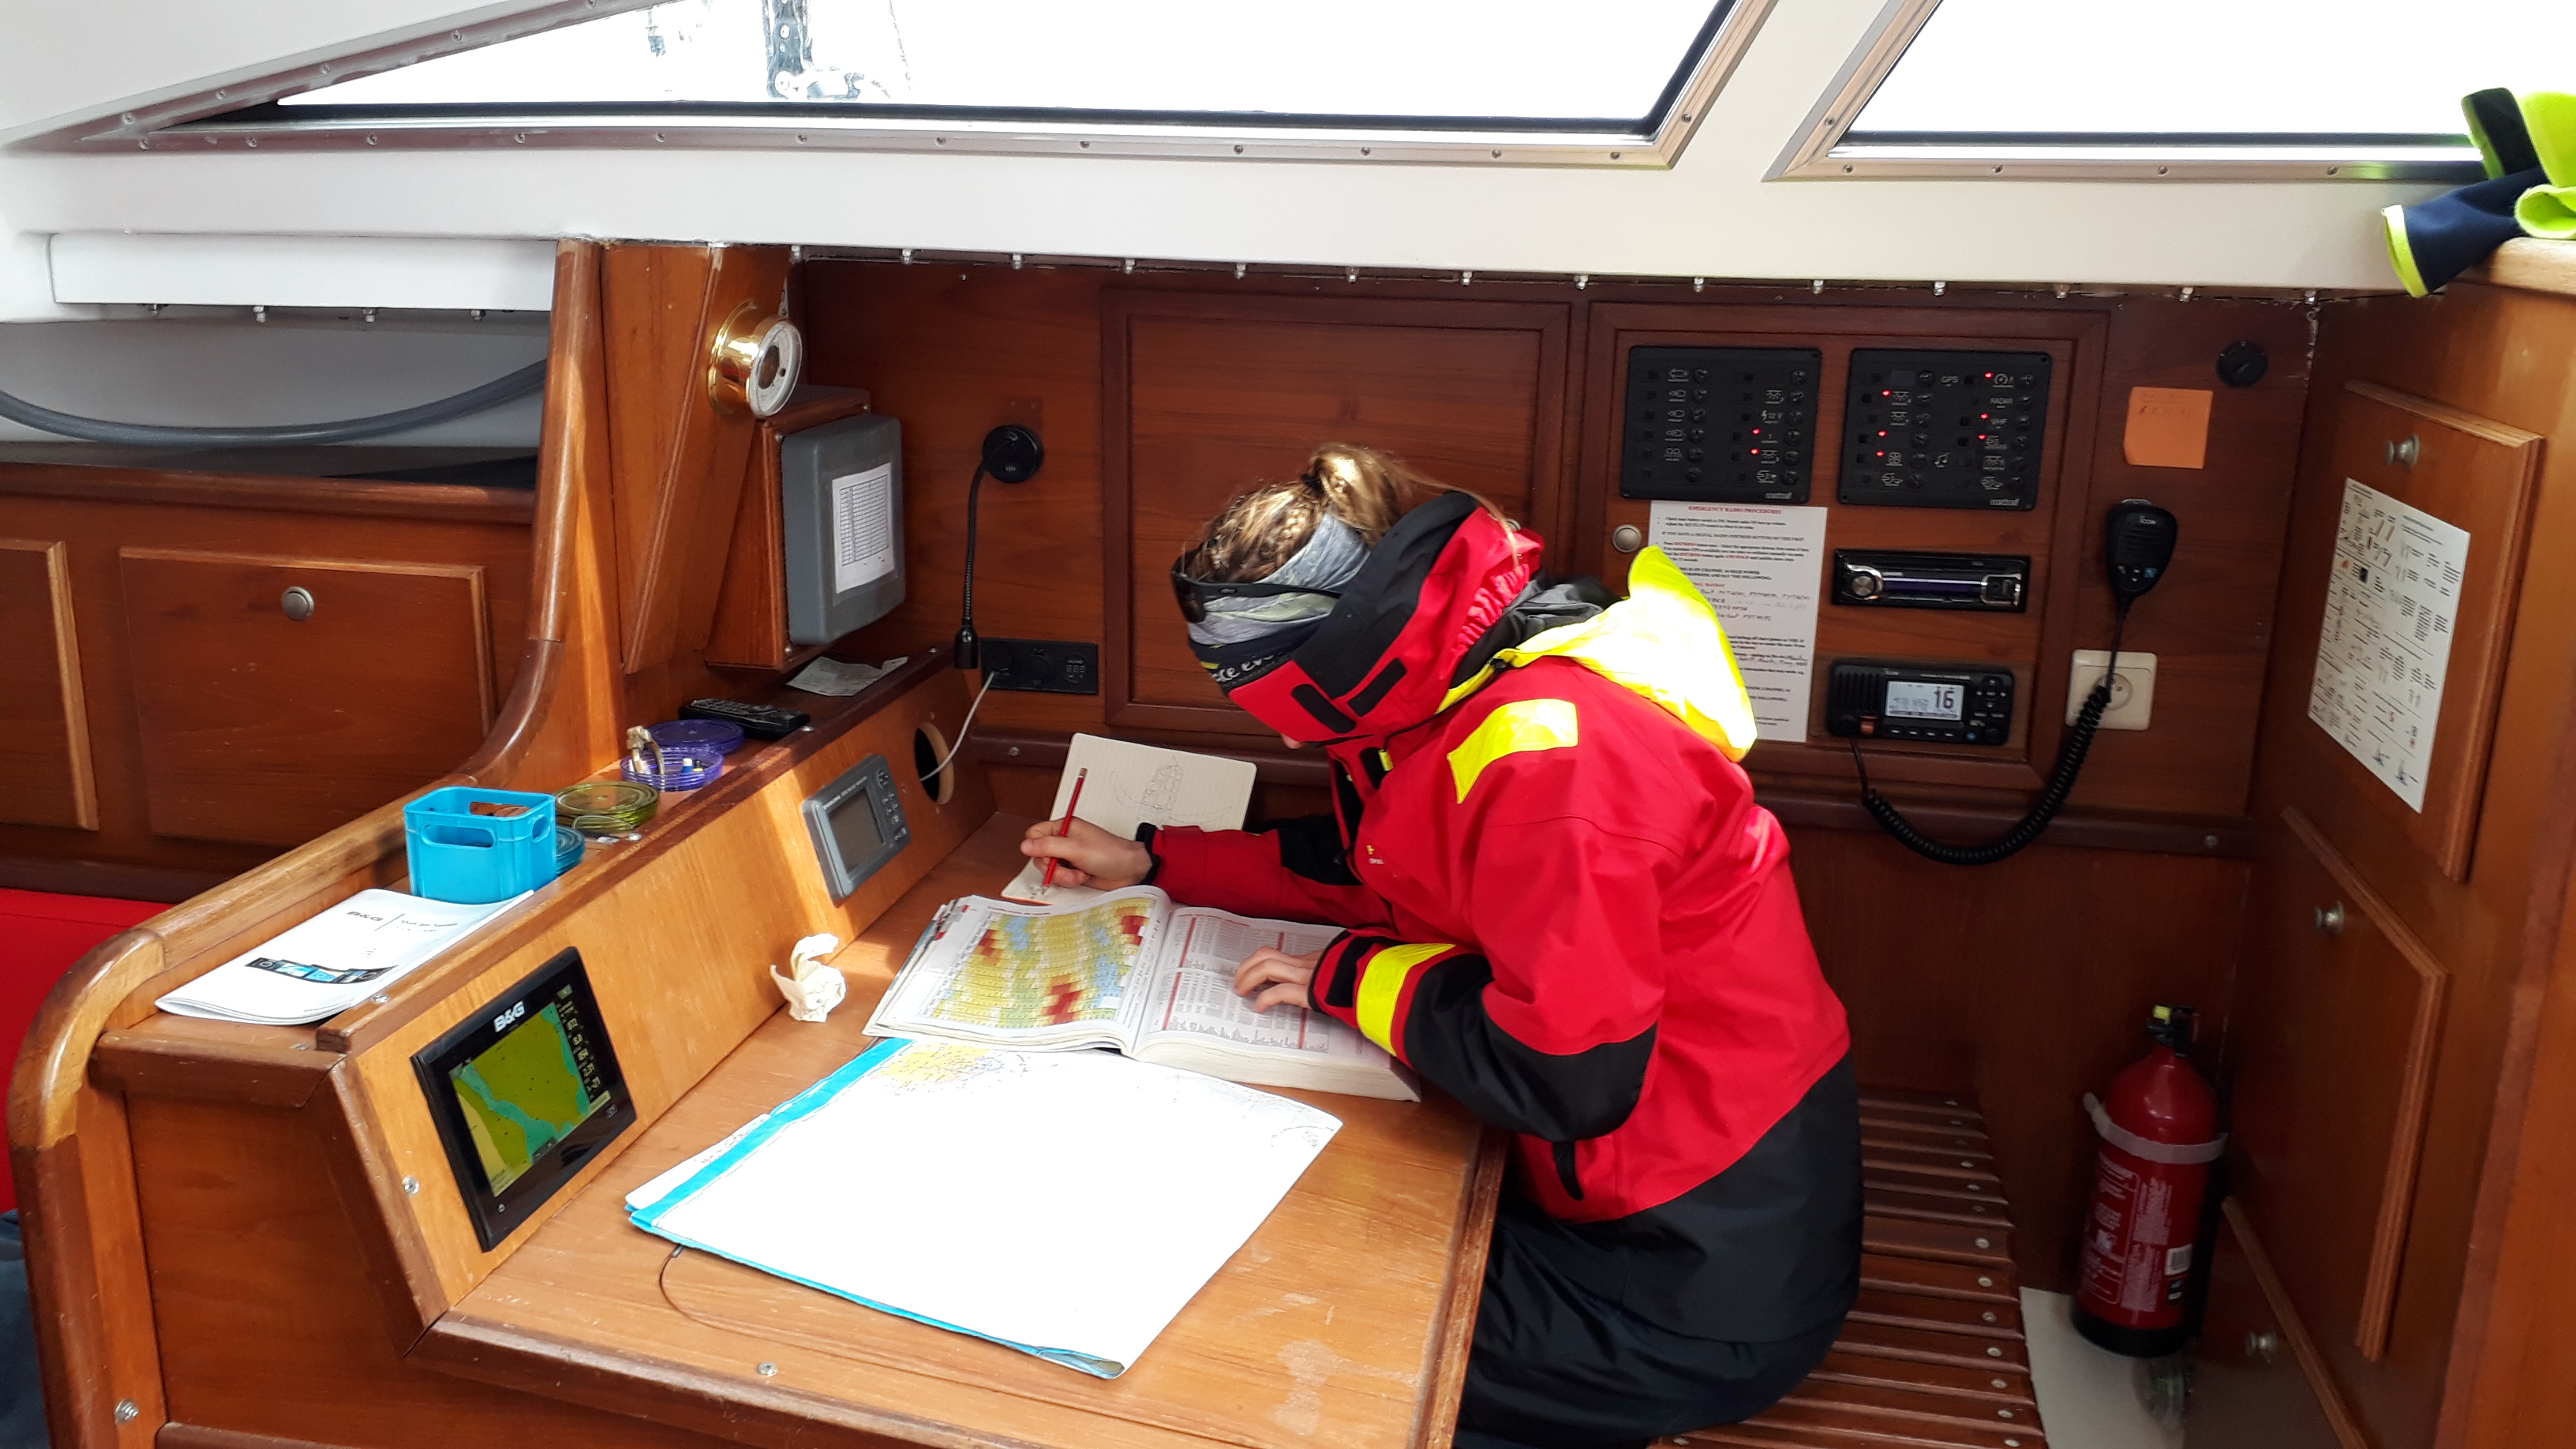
(41, 935)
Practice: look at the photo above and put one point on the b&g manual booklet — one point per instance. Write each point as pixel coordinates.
(1135, 972)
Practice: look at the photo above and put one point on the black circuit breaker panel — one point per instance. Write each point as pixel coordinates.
(1720, 424)
(1944, 429)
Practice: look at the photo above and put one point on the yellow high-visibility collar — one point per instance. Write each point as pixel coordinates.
(1662, 641)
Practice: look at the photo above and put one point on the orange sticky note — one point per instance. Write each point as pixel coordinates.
(2168, 427)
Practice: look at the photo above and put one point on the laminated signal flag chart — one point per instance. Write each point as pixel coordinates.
(2392, 601)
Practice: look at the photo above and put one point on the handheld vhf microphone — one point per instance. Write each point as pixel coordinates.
(2137, 544)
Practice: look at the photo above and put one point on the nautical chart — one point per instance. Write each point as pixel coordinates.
(1028, 971)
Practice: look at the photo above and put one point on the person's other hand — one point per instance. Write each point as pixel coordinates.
(1092, 856)
(1272, 977)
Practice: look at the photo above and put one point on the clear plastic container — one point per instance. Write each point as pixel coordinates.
(720, 735)
(684, 768)
(606, 807)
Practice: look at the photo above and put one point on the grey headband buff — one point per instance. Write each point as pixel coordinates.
(1328, 561)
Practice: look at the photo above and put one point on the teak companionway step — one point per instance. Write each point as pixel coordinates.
(1932, 1355)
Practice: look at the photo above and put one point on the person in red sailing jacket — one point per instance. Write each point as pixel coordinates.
(1563, 907)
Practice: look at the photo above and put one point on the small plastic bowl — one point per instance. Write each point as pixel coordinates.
(674, 769)
(720, 735)
(568, 848)
(606, 807)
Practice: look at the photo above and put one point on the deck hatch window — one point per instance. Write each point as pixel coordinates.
(2370, 87)
(1530, 69)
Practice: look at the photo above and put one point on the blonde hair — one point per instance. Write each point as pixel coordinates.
(1368, 489)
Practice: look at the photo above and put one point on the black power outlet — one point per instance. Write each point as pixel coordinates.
(1049, 666)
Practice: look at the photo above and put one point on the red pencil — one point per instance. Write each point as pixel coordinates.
(1066, 828)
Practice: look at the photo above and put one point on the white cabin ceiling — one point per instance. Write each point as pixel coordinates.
(1712, 214)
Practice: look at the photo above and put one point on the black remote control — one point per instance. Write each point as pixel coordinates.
(760, 721)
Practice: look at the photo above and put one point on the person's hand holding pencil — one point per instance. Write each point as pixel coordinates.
(1080, 853)
(1079, 780)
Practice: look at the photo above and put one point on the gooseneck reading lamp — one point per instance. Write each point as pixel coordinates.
(1012, 454)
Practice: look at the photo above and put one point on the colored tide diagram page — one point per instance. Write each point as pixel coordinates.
(1131, 785)
(1133, 972)
(1158, 1175)
(324, 966)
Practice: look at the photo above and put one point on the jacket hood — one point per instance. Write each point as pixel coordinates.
(1431, 607)
(1452, 594)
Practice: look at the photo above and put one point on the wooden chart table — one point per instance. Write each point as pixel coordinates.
(1343, 1321)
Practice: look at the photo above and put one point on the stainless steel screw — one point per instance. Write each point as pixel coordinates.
(127, 1411)
(768, 1370)
(411, 1187)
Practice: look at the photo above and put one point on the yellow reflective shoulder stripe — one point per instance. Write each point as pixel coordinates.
(1382, 986)
(1523, 724)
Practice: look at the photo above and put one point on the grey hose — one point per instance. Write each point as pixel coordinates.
(98, 430)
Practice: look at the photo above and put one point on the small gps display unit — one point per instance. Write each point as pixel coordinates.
(525, 1092)
(857, 824)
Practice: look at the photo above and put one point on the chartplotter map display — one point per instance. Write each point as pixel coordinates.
(522, 1096)
(1025, 971)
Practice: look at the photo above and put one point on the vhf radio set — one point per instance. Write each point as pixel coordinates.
(1920, 429)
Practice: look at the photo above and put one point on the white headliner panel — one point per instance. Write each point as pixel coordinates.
(287, 271)
(1712, 215)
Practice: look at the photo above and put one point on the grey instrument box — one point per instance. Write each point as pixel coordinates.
(841, 507)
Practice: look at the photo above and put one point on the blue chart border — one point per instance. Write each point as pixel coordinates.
(801, 1105)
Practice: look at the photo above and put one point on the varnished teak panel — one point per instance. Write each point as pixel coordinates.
(260, 727)
(44, 713)
(1203, 396)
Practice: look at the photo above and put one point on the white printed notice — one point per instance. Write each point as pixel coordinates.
(862, 527)
(2386, 642)
(1763, 569)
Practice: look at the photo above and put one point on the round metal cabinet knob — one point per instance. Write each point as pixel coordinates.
(2330, 919)
(2263, 1344)
(1627, 538)
(297, 603)
(2403, 452)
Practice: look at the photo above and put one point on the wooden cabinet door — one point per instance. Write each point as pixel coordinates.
(2250, 1375)
(261, 727)
(2469, 473)
(1204, 397)
(44, 728)
(2335, 1028)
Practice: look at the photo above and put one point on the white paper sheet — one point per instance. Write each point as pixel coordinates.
(1134, 785)
(1070, 1204)
(1763, 569)
(323, 966)
(2391, 602)
(862, 527)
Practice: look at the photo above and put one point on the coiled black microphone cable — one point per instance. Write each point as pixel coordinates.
(2061, 781)
(2137, 545)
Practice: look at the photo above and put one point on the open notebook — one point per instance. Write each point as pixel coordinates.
(1132, 785)
(1067, 1204)
(1134, 972)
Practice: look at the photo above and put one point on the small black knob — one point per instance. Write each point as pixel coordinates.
(2242, 363)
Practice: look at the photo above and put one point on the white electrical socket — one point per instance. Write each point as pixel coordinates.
(2133, 693)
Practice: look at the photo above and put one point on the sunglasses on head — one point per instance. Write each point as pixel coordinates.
(1194, 594)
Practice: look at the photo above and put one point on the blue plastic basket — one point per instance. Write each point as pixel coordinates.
(469, 858)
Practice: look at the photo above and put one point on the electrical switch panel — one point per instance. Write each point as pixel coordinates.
(1719, 424)
(1945, 429)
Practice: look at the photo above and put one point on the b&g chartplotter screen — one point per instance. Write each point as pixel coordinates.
(524, 1092)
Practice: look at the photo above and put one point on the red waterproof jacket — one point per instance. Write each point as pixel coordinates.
(1566, 910)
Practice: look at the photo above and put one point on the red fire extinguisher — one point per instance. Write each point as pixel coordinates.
(2159, 1135)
